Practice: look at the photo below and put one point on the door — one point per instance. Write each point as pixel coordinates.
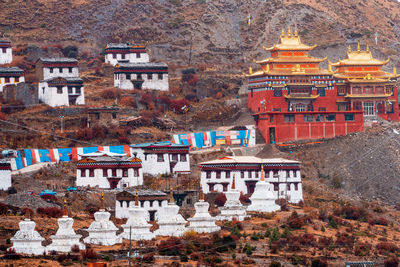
(272, 135)
(368, 108)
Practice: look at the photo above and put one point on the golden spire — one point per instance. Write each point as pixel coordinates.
(349, 49)
(65, 213)
(250, 70)
(171, 196)
(137, 199)
(233, 182)
(267, 67)
(262, 172)
(201, 194)
(358, 46)
(329, 66)
(367, 48)
(295, 31)
(283, 32)
(288, 31)
(102, 201)
(394, 70)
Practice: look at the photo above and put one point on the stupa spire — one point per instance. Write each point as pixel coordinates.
(283, 32)
(262, 173)
(201, 194)
(102, 201)
(358, 46)
(171, 196)
(394, 70)
(288, 32)
(137, 199)
(233, 182)
(65, 212)
(349, 48)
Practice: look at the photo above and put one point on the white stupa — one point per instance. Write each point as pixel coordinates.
(27, 240)
(102, 231)
(169, 221)
(137, 227)
(233, 208)
(263, 200)
(202, 222)
(65, 236)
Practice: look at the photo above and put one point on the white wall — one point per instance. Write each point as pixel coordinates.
(120, 81)
(102, 182)
(50, 96)
(56, 72)
(122, 210)
(6, 57)
(5, 179)
(12, 81)
(130, 57)
(294, 177)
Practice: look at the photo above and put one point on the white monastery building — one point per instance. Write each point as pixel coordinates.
(5, 52)
(108, 171)
(125, 53)
(151, 75)
(162, 157)
(282, 174)
(10, 75)
(60, 84)
(151, 200)
(5, 174)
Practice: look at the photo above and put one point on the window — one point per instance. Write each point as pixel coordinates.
(70, 69)
(341, 90)
(16, 79)
(331, 117)
(137, 55)
(256, 174)
(288, 186)
(276, 187)
(160, 157)
(128, 76)
(124, 173)
(308, 118)
(105, 174)
(188, 201)
(60, 70)
(114, 172)
(277, 92)
(138, 76)
(389, 90)
(296, 186)
(319, 118)
(4, 49)
(321, 91)
(368, 108)
(349, 117)
(51, 70)
(160, 76)
(91, 173)
(59, 90)
(242, 174)
(174, 157)
(228, 174)
(357, 105)
(321, 109)
(149, 76)
(289, 118)
(136, 172)
(123, 56)
(114, 56)
(379, 90)
(300, 108)
(69, 90)
(97, 115)
(208, 174)
(183, 157)
(7, 80)
(83, 172)
(43, 88)
(250, 174)
(218, 174)
(271, 118)
(78, 90)
(114, 115)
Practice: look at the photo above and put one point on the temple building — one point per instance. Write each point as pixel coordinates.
(151, 200)
(150, 75)
(362, 85)
(108, 170)
(284, 175)
(162, 157)
(60, 84)
(293, 98)
(125, 53)
(10, 75)
(5, 52)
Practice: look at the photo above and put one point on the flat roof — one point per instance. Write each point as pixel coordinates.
(248, 159)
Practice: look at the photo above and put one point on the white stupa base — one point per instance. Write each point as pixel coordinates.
(170, 229)
(102, 231)
(64, 243)
(202, 222)
(137, 232)
(170, 222)
(233, 213)
(27, 240)
(263, 205)
(263, 200)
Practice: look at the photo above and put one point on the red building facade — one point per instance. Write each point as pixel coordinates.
(293, 98)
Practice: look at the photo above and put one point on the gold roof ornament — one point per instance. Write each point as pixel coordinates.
(233, 182)
(171, 196)
(358, 47)
(267, 67)
(367, 48)
(295, 31)
(394, 70)
(329, 66)
(368, 77)
(201, 194)
(288, 32)
(283, 32)
(349, 49)
(65, 212)
(137, 199)
(250, 70)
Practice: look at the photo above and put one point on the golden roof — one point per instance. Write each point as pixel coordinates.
(359, 58)
(367, 96)
(291, 59)
(290, 42)
(301, 97)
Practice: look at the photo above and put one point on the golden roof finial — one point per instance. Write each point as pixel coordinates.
(267, 67)
(394, 70)
(262, 172)
(65, 213)
(295, 31)
(250, 70)
(171, 196)
(288, 32)
(201, 194)
(349, 48)
(137, 199)
(233, 183)
(358, 46)
(329, 67)
(367, 48)
(283, 32)
(102, 201)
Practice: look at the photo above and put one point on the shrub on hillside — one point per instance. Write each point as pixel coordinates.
(295, 221)
(173, 246)
(386, 247)
(111, 93)
(128, 101)
(362, 249)
(220, 199)
(3, 208)
(50, 212)
(352, 213)
(89, 254)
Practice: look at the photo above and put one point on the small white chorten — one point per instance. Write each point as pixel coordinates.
(137, 227)
(233, 208)
(263, 200)
(202, 222)
(102, 231)
(27, 240)
(65, 236)
(170, 222)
